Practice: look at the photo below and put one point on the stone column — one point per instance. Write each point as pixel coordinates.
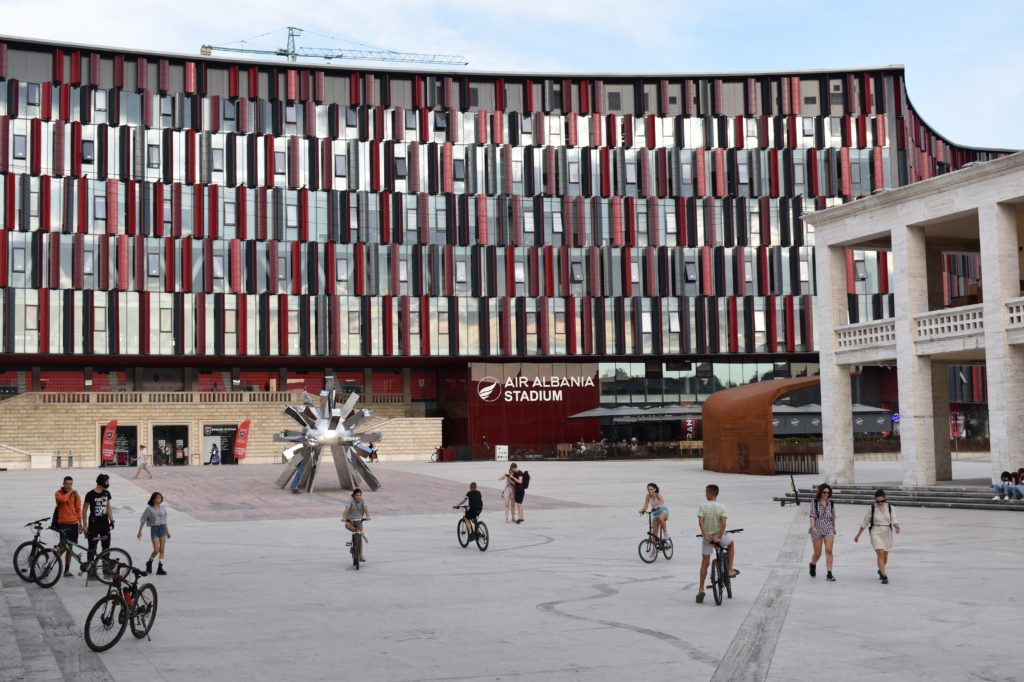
(940, 420)
(836, 405)
(914, 372)
(1004, 364)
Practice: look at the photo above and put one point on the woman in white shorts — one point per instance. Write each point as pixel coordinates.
(508, 495)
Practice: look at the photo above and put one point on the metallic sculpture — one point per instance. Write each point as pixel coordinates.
(327, 425)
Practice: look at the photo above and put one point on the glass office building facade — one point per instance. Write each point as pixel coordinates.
(187, 223)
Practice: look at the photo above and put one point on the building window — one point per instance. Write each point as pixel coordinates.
(217, 159)
(340, 165)
(811, 100)
(860, 269)
(153, 156)
(520, 272)
(634, 272)
(88, 151)
(673, 323)
(341, 270)
(527, 221)
(282, 268)
(18, 259)
(403, 271)
(614, 101)
(576, 273)
(31, 318)
(292, 215)
(442, 323)
(166, 320)
(166, 105)
(229, 110)
(289, 114)
(351, 117)
(574, 172)
(32, 94)
(410, 120)
(460, 271)
(556, 222)
(401, 169)
(559, 323)
(527, 124)
(474, 97)
(153, 265)
(87, 263)
(229, 213)
(99, 208)
(100, 319)
(218, 267)
(690, 272)
(280, 161)
(353, 321)
(631, 173)
(20, 146)
(808, 127)
(167, 211)
(459, 169)
(101, 100)
(440, 121)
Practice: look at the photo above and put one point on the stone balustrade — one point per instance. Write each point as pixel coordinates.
(949, 323)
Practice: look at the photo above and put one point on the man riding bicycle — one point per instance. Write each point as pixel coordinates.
(476, 505)
(354, 515)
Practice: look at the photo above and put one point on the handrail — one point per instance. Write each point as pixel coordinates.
(184, 397)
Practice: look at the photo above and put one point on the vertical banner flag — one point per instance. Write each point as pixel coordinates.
(109, 440)
(242, 439)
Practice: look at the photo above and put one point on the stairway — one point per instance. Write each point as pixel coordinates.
(941, 497)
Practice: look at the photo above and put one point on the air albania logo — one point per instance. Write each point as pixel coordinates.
(489, 389)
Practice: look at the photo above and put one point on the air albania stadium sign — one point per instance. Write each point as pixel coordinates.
(526, 390)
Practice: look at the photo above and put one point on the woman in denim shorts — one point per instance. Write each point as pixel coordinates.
(155, 517)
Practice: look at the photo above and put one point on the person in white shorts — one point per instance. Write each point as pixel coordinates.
(142, 463)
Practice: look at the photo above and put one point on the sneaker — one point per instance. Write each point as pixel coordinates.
(68, 574)
(814, 570)
(160, 570)
(997, 497)
(362, 560)
(295, 490)
(829, 577)
(519, 521)
(149, 566)
(885, 580)
(700, 597)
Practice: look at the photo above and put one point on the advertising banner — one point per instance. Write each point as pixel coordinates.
(109, 441)
(242, 439)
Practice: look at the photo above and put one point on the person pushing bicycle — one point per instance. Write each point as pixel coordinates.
(476, 505)
(355, 513)
(712, 518)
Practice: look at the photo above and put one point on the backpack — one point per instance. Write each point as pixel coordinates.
(831, 504)
(872, 524)
(526, 480)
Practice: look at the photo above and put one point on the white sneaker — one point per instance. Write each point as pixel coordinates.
(997, 497)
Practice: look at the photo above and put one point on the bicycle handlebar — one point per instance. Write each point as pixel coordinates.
(35, 523)
(736, 530)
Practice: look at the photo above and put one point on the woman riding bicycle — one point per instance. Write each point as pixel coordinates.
(659, 512)
(354, 515)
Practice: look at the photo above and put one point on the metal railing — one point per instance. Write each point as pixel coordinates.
(950, 323)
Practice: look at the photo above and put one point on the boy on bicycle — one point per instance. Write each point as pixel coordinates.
(354, 515)
(712, 518)
(476, 505)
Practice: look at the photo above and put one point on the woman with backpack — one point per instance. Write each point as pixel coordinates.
(880, 522)
(823, 529)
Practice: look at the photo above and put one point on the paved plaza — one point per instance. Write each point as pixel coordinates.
(260, 586)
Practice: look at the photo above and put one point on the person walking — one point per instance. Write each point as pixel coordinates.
(98, 515)
(69, 519)
(508, 495)
(155, 516)
(880, 522)
(520, 482)
(142, 462)
(823, 529)
(214, 454)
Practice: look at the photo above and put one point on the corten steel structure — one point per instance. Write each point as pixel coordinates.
(179, 222)
(738, 435)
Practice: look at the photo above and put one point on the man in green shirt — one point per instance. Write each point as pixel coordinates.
(712, 518)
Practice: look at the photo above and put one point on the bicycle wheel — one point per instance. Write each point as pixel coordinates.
(111, 562)
(483, 539)
(667, 548)
(144, 612)
(648, 551)
(357, 545)
(24, 557)
(463, 533)
(716, 582)
(106, 623)
(48, 568)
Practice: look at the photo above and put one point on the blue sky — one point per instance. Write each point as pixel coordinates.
(964, 61)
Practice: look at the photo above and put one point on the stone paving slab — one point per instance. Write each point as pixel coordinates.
(562, 597)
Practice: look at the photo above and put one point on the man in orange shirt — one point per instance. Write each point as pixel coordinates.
(69, 518)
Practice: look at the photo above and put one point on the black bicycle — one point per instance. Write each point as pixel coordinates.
(356, 543)
(480, 532)
(27, 552)
(650, 546)
(105, 566)
(126, 604)
(720, 578)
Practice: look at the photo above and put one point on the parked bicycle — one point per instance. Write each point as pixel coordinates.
(126, 604)
(479, 533)
(720, 579)
(356, 543)
(26, 553)
(650, 546)
(49, 563)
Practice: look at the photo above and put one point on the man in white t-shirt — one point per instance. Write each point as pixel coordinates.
(142, 462)
(712, 519)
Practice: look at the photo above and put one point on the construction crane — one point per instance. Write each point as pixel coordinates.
(292, 53)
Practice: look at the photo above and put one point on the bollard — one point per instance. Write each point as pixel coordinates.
(71, 459)
(58, 459)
